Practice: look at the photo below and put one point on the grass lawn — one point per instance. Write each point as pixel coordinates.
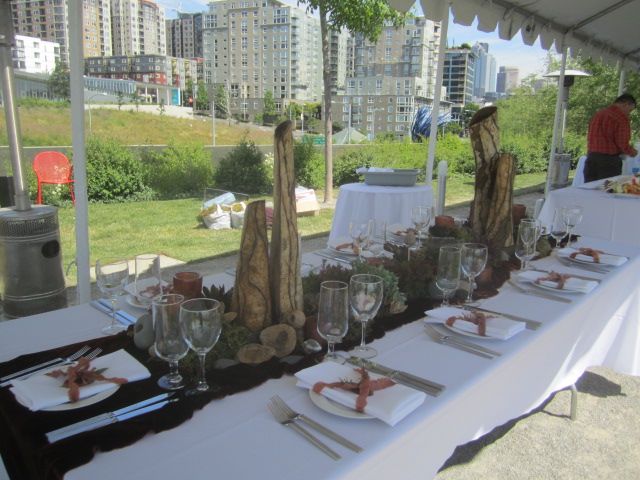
(170, 227)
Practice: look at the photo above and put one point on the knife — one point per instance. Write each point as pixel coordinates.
(103, 419)
(531, 324)
(456, 339)
(451, 342)
(401, 377)
(529, 291)
(61, 432)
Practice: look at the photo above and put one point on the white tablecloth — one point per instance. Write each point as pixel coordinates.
(359, 202)
(605, 216)
(236, 437)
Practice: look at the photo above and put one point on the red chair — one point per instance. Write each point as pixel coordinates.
(53, 168)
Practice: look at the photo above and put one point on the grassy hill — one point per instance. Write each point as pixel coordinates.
(51, 125)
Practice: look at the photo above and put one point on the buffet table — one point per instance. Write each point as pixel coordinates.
(236, 437)
(359, 202)
(606, 216)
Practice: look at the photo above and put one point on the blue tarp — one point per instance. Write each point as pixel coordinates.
(422, 123)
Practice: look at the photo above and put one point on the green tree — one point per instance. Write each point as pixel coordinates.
(359, 16)
(269, 109)
(187, 95)
(161, 108)
(220, 101)
(202, 97)
(135, 98)
(59, 82)
(120, 98)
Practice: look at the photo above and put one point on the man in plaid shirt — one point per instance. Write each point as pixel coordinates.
(608, 138)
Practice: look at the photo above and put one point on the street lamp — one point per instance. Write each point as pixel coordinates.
(89, 106)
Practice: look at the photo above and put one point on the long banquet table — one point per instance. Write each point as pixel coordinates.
(605, 215)
(236, 437)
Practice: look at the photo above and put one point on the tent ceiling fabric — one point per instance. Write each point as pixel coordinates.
(600, 29)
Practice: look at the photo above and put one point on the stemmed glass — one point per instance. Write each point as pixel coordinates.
(473, 259)
(148, 280)
(558, 229)
(448, 276)
(333, 314)
(112, 277)
(201, 324)
(528, 233)
(572, 217)
(365, 297)
(170, 344)
(421, 217)
(359, 233)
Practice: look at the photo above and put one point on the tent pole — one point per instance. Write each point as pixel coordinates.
(622, 73)
(76, 70)
(556, 119)
(435, 108)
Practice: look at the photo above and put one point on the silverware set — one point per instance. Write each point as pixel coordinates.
(530, 324)
(536, 293)
(56, 362)
(598, 268)
(290, 418)
(464, 345)
(335, 256)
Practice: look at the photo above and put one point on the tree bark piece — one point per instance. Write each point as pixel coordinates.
(282, 338)
(490, 217)
(286, 281)
(255, 353)
(251, 294)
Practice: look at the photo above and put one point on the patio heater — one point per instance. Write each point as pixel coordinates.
(562, 161)
(31, 278)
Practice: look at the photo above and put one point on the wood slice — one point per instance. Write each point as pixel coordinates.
(255, 353)
(251, 294)
(282, 338)
(286, 281)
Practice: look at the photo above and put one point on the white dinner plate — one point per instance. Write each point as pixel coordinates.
(133, 301)
(467, 334)
(329, 406)
(553, 289)
(587, 262)
(85, 402)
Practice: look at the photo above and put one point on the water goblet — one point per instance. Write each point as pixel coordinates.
(112, 277)
(528, 233)
(333, 314)
(359, 233)
(201, 324)
(170, 344)
(572, 217)
(473, 259)
(558, 228)
(148, 280)
(421, 217)
(448, 276)
(365, 297)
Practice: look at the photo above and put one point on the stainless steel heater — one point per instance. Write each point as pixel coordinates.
(31, 278)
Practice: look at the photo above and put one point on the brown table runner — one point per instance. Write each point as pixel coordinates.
(23, 444)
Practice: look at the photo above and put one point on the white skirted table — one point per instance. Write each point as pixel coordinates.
(359, 202)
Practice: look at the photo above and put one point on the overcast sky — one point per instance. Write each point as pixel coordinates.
(514, 53)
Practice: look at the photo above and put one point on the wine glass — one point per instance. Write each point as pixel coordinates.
(558, 229)
(201, 324)
(572, 217)
(473, 259)
(448, 276)
(112, 277)
(148, 280)
(528, 233)
(359, 233)
(170, 345)
(421, 217)
(365, 297)
(333, 314)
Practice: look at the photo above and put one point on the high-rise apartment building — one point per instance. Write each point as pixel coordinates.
(254, 47)
(49, 20)
(338, 47)
(184, 35)
(34, 55)
(458, 75)
(138, 28)
(508, 79)
(484, 79)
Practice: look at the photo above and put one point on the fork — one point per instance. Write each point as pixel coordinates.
(89, 356)
(283, 419)
(293, 415)
(40, 366)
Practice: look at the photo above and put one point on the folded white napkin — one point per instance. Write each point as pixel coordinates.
(605, 258)
(571, 284)
(390, 405)
(42, 391)
(496, 326)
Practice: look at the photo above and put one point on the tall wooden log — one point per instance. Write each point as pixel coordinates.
(251, 294)
(286, 282)
(490, 216)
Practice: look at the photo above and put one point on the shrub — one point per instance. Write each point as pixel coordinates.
(243, 170)
(179, 170)
(113, 173)
(344, 167)
(308, 163)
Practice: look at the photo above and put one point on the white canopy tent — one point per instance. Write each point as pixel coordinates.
(600, 29)
(605, 29)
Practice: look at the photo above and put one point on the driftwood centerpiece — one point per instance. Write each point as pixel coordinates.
(251, 294)
(286, 282)
(490, 216)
